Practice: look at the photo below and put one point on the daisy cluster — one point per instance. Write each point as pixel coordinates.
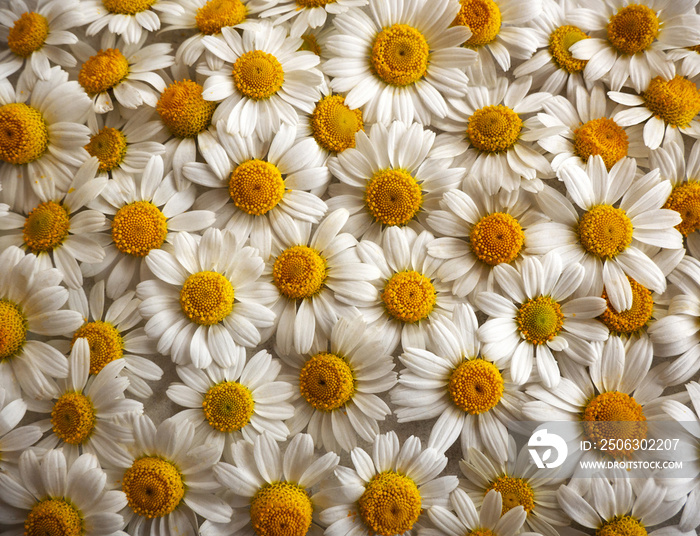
(324, 216)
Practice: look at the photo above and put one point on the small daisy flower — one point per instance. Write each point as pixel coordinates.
(264, 81)
(306, 14)
(251, 181)
(14, 439)
(471, 396)
(337, 384)
(54, 495)
(270, 491)
(206, 302)
(689, 58)
(388, 491)
(537, 316)
(399, 63)
(239, 402)
(128, 18)
(393, 177)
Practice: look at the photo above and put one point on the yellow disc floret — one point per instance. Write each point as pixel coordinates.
(409, 296)
(13, 329)
(605, 231)
(400, 55)
(482, 17)
(299, 272)
(480, 532)
(73, 418)
(138, 228)
(494, 129)
(393, 196)
(613, 416)
(314, 3)
(633, 28)
(256, 187)
(334, 124)
(46, 227)
(602, 137)
(258, 75)
(24, 136)
(281, 509)
(183, 109)
(310, 44)
(105, 342)
(54, 517)
(539, 319)
(685, 199)
(228, 406)
(676, 101)
(216, 14)
(390, 504)
(206, 298)
(560, 41)
(153, 487)
(103, 71)
(621, 526)
(109, 146)
(476, 386)
(28, 34)
(497, 238)
(127, 7)
(326, 381)
(514, 492)
(631, 320)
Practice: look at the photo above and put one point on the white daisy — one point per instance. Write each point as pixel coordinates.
(337, 386)
(393, 177)
(206, 302)
(128, 18)
(14, 439)
(689, 58)
(399, 59)
(306, 14)
(472, 397)
(251, 181)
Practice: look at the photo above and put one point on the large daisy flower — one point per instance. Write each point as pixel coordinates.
(265, 79)
(128, 18)
(306, 14)
(399, 60)
(393, 177)
(471, 395)
(14, 439)
(337, 385)
(388, 491)
(537, 317)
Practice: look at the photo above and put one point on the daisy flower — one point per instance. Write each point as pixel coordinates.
(251, 181)
(399, 60)
(387, 491)
(393, 177)
(265, 79)
(14, 439)
(470, 394)
(270, 491)
(306, 14)
(30, 305)
(621, 214)
(538, 316)
(54, 495)
(206, 302)
(337, 384)
(239, 402)
(128, 18)
(689, 58)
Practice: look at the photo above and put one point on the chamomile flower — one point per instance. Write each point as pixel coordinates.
(689, 58)
(264, 81)
(388, 491)
(14, 439)
(251, 181)
(54, 495)
(337, 385)
(239, 402)
(128, 18)
(306, 14)
(206, 302)
(393, 177)
(470, 394)
(271, 491)
(399, 60)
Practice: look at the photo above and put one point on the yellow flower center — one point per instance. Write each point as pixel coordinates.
(105, 342)
(605, 231)
(73, 418)
(206, 298)
(138, 228)
(216, 14)
(393, 196)
(281, 509)
(539, 319)
(676, 101)
(614, 416)
(103, 71)
(400, 55)
(480, 532)
(695, 49)
(28, 34)
(685, 199)
(514, 492)
(334, 124)
(494, 129)
(258, 75)
(256, 187)
(127, 7)
(497, 238)
(409, 296)
(46, 227)
(326, 381)
(228, 406)
(314, 3)
(560, 41)
(390, 504)
(602, 137)
(153, 487)
(109, 146)
(482, 17)
(621, 526)
(310, 44)
(299, 272)
(633, 29)
(476, 386)
(183, 110)
(13, 329)
(24, 136)
(633, 319)
(53, 517)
